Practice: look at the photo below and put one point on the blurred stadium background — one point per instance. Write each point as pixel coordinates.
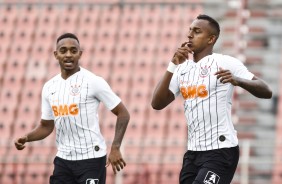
(129, 43)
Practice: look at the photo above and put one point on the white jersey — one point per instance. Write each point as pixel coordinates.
(207, 101)
(73, 105)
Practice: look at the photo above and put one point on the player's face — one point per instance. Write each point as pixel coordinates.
(200, 35)
(68, 54)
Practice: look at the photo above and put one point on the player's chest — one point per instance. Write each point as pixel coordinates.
(198, 74)
(69, 93)
(198, 81)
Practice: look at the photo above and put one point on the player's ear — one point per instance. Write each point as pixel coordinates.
(212, 39)
(80, 53)
(56, 54)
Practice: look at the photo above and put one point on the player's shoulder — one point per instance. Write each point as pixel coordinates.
(88, 73)
(92, 77)
(52, 80)
(225, 59)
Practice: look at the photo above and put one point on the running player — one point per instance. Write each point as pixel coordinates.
(206, 83)
(70, 103)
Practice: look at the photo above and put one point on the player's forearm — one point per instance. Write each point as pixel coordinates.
(40, 132)
(257, 88)
(162, 96)
(121, 125)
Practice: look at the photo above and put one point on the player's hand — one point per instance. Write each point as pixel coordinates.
(19, 143)
(116, 160)
(225, 76)
(181, 54)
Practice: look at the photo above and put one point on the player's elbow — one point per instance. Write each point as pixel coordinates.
(161, 102)
(268, 94)
(125, 116)
(156, 106)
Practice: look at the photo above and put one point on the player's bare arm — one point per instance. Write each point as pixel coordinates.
(115, 157)
(256, 86)
(44, 129)
(162, 96)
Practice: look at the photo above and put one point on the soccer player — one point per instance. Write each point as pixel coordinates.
(206, 83)
(70, 103)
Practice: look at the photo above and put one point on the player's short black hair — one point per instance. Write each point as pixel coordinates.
(67, 35)
(212, 22)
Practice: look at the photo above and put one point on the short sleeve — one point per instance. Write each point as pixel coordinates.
(105, 94)
(46, 109)
(237, 68)
(174, 84)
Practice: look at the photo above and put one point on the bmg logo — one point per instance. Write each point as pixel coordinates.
(92, 181)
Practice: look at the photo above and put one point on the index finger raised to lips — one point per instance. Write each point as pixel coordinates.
(184, 44)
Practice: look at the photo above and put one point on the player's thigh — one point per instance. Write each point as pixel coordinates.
(220, 169)
(189, 170)
(62, 174)
(91, 171)
(209, 176)
(186, 177)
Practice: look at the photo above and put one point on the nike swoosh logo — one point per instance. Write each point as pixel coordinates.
(183, 73)
(53, 93)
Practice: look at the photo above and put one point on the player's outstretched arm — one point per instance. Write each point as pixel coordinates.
(44, 129)
(115, 156)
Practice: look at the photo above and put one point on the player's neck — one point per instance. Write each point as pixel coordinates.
(67, 73)
(198, 56)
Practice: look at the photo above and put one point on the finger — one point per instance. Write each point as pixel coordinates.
(120, 165)
(222, 73)
(184, 44)
(224, 79)
(114, 169)
(107, 164)
(185, 47)
(20, 147)
(183, 52)
(220, 70)
(123, 162)
(222, 76)
(16, 143)
(22, 140)
(219, 75)
(182, 56)
(118, 168)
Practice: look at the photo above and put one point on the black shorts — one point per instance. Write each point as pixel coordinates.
(209, 167)
(89, 171)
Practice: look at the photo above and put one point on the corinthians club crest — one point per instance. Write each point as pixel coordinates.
(75, 89)
(205, 71)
